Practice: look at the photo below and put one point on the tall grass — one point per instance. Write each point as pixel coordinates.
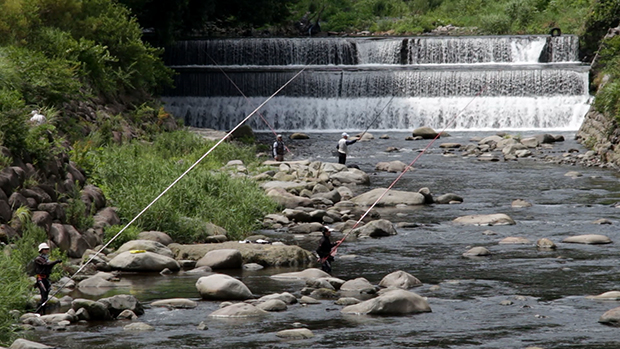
(15, 286)
(131, 176)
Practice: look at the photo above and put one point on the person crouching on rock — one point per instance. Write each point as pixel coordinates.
(325, 249)
(43, 268)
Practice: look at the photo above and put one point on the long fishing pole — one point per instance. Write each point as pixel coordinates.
(335, 248)
(376, 116)
(246, 98)
(173, 183)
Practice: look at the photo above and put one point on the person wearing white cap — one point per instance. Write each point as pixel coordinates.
(342, 147)
(278, 148)
(43, 268)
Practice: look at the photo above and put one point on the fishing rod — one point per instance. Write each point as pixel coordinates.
(335, 248)
(173, 183)
(376, 116)
(246, 98)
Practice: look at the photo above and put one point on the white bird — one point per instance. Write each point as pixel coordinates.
(37, 118)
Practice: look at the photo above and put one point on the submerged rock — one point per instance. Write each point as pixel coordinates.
(395, 302)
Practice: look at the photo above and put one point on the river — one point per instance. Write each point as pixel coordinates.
(547, 288)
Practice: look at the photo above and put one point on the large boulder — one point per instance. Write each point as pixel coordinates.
(95, 309)
(143, 261)
(263, 254)
(400, 279)
(377, 228)
(116, 304)
(394, 302)
(222, 287)
(485, 219)
(145, 245)
(351, 176)
(425, 132)
(391, 198)
(221, 259)
(158, 236)
(287, 199)
(21, 343)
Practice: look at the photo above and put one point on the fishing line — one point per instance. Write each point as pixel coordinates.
(335, 248)
(246, 98)
(173, 183)
(375, 119)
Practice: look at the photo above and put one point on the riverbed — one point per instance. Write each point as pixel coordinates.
(546, 289)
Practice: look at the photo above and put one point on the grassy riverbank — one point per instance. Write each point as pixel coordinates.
(131, 176)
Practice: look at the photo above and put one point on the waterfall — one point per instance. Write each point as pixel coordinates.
(515, 82)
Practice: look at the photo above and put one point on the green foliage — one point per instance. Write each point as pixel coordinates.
(131, 176)
(16, 287)
(131, 233)
(77, 213)
(608, 97)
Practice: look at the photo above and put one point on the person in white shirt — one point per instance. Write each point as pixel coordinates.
(343, 143)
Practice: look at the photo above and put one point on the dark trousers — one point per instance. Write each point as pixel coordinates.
(44, 287)
(342, 158)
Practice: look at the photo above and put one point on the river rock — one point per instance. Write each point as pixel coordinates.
(347, 301)
(392, 166)
(400, 279)
(272, 305)
(26, 344)
(448, 198)
(138, 327)
(96, 310)
(351, 176)
(238, 310)
(101, 279)
(357, 286)
(144, 261)
(392, 198)
(395, 302)
(310, 273)
(116, 304)
(592, 239)
(485, 219)
(377, 228)
(157, 236)
(222, 287)
(514, 240)
(221, 259)
(477, 251)
(285, 297)
(177, 303)
(519, 203)
(610, 295)
(545, 243)
(611, 317)
(299, 135)
(146, 245)
(425, 132)
(295, 333)
(126, 315)
(263, 254)
(56, 318)
(287, 199)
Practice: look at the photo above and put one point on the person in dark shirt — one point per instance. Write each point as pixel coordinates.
(324, 250)
(43, 268)
(278, 149)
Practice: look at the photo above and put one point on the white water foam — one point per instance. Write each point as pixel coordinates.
(315, 114)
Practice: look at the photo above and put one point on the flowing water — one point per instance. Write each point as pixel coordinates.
(474, 86)
(551, 312)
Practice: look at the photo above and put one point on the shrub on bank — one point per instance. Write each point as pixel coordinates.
(132, 175)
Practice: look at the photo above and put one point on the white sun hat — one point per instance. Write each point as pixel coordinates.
(344, 134)
(44, 246)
